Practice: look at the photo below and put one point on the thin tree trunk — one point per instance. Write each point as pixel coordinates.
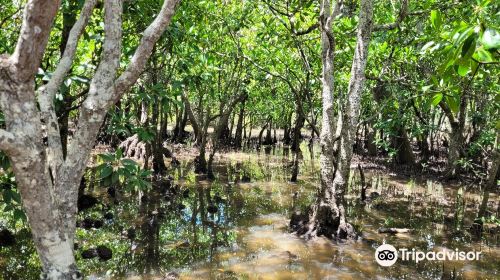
(239, 126)
(297, 129)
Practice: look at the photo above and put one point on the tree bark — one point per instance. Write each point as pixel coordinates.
(490, 182)
(328, 216)
(403, 146)
(47, 181)
(239, 126)
(297, 129)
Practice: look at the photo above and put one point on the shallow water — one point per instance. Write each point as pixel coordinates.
(248, 238)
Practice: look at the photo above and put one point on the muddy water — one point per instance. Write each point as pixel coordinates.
(236, 227)
(263, 248)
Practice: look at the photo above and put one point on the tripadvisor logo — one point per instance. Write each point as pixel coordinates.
(387, 255)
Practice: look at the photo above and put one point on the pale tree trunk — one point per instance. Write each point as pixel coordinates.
(491, 180)
(351, 114)
(456, 136)
(457, 129)
(47, 181)
(327, 216)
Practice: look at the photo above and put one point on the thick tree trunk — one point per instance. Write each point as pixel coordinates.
(262, 132)
(47, 181)
(455, 146)
(220, 129)
(328, 216)
(295, 166)
(286, 131)
(403, 147)
(456, 135)
(269, 139)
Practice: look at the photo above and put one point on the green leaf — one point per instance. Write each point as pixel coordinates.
(483, 55)
(491, 39)
(107, 157)
(19, 215)
(7, 196)
(453, 103)
(105, 172)
(437, 98)
(426, 88)
(463, 70)
(436, 19)
(469, 45)
(129, 162)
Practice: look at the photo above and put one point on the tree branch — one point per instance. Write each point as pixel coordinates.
(5, 19)
(143, 51)
(403, 12)
(37, 22)
(308, 30)
(47, 92)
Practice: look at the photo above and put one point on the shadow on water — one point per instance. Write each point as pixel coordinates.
(236, 227)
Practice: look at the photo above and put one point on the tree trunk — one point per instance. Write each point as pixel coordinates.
(157, 143)
(370, 141)
(454, 150)
(286, 131)
(297, 129)
(403, 146)
(48, 182)
(295, 167)
(328, 216)
(490, 183)
(239, 126)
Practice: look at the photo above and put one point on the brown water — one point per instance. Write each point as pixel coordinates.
(264, 249)
(248, 238)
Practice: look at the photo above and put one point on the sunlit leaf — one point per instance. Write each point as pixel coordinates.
(437, 98)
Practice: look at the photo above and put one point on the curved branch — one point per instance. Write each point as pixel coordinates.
(35, 30)
(143, 51)
(403, 12)
(47, 92)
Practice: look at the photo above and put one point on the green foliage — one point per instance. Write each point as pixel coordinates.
(10, 199)
(113, 169)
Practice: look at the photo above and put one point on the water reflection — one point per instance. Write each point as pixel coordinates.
(236, 227)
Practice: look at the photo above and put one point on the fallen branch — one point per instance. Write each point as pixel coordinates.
(393, 230)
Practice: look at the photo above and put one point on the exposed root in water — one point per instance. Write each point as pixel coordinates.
(134, 148)
(321, 220)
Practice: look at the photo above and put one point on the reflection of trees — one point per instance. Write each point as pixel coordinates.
(150, 229)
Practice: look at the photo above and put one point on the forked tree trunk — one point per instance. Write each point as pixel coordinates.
(327, 216)
(226, 112)
(47, 181)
